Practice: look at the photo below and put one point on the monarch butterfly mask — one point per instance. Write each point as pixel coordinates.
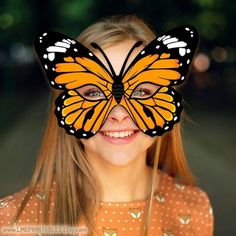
(72, 68)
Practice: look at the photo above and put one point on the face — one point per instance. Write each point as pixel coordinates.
(119, 141)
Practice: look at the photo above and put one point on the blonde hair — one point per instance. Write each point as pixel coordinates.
(62, 157)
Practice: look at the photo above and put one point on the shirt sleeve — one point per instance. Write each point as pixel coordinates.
(209, 216)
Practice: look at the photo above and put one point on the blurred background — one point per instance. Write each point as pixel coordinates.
(210, 92)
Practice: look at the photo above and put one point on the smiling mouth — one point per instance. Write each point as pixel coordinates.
(122, 134)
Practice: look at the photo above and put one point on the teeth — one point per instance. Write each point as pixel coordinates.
(119, 134)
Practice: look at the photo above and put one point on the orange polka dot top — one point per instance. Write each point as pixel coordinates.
(177, 210)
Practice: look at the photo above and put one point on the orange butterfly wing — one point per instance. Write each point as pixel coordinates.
(164, 62)
(69, 66)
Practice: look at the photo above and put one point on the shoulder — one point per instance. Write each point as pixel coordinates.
(9, 205)
(189, 193)
(188, 203)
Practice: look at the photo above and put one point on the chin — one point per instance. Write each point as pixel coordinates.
(119, 159)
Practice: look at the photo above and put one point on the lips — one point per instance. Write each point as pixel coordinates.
(119, 137)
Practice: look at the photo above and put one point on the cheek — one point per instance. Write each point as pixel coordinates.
(145, 141)
(89, 144)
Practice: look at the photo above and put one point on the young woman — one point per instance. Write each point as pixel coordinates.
(120, 181)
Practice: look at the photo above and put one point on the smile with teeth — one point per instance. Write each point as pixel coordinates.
(122, 134)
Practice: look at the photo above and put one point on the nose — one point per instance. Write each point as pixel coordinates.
(118, 114)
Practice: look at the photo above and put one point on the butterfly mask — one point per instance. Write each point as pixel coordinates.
(74, 69)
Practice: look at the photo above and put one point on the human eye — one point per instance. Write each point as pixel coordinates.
(91, 93)
(144, 90)
(141, 92)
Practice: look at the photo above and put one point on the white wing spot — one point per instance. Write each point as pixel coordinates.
(172, 92)
(187, 29)
(53, 69)
(56, 49)
(182, 51)
(75, 49)
(72, 131)
(44, 34)
(142, 52)
(188, 50)
(160, 38)
(46, 67)
(144, 130)
(180, 44)
(84, 134)
(62, 122)
(90, 54)
(40, 41)
(170, 40)
(58, 108)
(51, 56)
(178, 104)
(175, 82)
(158, 46)
(188, 61)
(52, 82)
(175, 118)
(166, 128)
(182, 78)
(166, 37)
(72, 41)
(60, 86)
(45, 56)
(40, 37)
(66, 41)
(180, 64)
(63, 96)
(154, 131)
(62, 44)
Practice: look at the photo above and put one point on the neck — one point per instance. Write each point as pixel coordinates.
(123, 183)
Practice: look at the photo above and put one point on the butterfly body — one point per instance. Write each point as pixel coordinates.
(117, 89)
(162, 64)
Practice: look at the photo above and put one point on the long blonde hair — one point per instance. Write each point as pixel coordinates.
(62, 157)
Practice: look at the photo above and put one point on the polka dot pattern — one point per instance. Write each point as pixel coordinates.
(177, 209)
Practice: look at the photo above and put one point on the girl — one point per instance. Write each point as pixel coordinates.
(120, 181)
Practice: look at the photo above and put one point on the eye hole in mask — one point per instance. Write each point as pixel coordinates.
(91, 92)
(144, 91)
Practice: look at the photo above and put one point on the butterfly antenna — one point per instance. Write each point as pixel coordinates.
(137, 44)
(95, 46)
